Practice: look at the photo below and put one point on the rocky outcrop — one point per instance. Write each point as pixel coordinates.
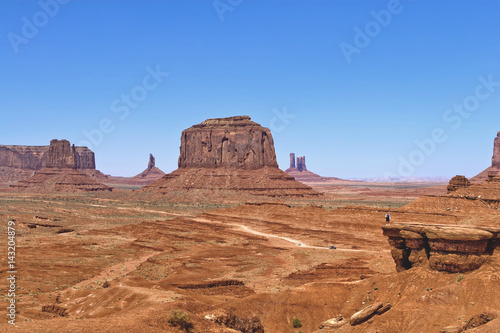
(449, 248)
(234, 142)
(60, 173)
(227, 157)
(332, 325)
(458, 182)
(292, 160)
(244, 325)
(494, 169)
(365, 314)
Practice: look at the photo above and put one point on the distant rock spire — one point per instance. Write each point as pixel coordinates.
(301, 163)
(151, 163)
(292, 160)
(495, 160)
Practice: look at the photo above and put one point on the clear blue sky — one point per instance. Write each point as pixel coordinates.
(66, 68)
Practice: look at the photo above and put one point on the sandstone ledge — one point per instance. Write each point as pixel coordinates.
(450, 248)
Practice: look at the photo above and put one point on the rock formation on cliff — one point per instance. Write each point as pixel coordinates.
(494, 169)
(228, 156)
(450, 248)
(60, 173)
(458, 182)
(20, 162)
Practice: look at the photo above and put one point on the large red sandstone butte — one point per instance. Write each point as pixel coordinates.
(60, 173)
(228, 156)
(234, 142)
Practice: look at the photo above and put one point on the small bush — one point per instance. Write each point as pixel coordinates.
(180, 319)
(296, 322)
(460, 277)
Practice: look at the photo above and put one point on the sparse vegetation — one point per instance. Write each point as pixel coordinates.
(180, 319)
(296, 322)
(460, 277)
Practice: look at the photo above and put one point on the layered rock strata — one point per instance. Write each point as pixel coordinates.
(449, 248)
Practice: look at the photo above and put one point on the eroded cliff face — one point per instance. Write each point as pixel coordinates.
(35, 157)
(449, 248)
(234, 142)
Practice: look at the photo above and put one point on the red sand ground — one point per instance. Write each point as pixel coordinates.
(128, 264)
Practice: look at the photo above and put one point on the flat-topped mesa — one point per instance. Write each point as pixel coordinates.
(61, 155)
(495, 160)
(234, 142)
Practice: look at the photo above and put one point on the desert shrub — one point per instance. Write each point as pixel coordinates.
(180, 319)
(296, 322)
(460, 278)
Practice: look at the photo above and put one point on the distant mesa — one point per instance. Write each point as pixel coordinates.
(298, 170)
(494, 169)
(228, 156)
(20, 162)
(60, 173)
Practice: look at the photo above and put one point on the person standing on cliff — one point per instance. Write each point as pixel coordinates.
(387, 218)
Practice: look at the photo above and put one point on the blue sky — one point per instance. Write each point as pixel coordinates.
(353, 85)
